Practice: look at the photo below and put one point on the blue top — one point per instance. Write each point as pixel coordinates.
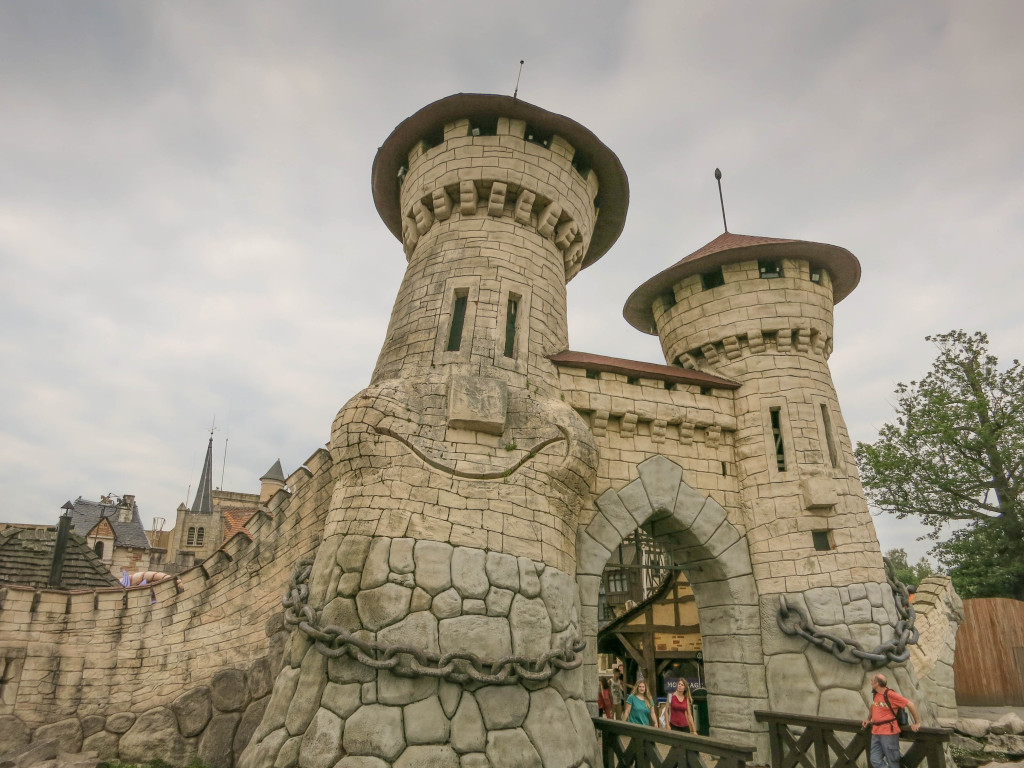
(640, 712)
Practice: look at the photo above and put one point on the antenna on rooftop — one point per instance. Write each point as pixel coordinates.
(718, 175)
(516, 94)
(225, 462)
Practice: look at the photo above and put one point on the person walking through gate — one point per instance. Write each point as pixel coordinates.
(680, 709)
(885, 730)
(639, 707)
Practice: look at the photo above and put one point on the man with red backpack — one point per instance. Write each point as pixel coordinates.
(886, 719)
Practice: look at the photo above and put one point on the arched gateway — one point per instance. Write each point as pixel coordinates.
(715, 558)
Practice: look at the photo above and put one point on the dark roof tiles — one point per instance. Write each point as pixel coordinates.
(26, 555)
(86, 515)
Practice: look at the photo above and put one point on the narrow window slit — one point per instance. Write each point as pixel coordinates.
(826, 420)
(780, 450)
(458, 320)
(511, 324)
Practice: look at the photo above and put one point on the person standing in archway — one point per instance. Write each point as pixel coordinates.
(885, 727)
(618, 692)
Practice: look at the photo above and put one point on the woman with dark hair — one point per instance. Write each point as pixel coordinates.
(604, 700)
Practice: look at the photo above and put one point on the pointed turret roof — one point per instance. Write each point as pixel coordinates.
(275, 473)
(729, 248)
(203, 504)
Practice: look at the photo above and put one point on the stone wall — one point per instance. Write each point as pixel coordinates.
(210, 723)
(102, 652)
(939, 614)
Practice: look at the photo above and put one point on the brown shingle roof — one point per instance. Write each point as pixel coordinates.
(26, 555)
(235, 520)
(729, 248)
(672, 373)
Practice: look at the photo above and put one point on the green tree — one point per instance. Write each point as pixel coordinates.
(955, 454)
(911, 575)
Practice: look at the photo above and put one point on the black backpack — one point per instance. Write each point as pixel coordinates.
(899, 713)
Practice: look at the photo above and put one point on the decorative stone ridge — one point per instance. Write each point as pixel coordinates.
(940, 612)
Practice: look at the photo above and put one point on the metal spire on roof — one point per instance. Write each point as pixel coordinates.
(718, 175)
(203, 503)
(515, 95)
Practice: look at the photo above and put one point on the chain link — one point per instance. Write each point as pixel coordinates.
(409, 661)
(793, 620)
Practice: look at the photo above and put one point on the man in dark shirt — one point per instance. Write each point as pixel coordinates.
(885, 731)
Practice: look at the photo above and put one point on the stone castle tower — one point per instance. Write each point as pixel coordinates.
(484, 477)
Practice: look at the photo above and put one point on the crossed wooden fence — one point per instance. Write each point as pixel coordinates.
(624, 745)
(803, 741)
(797, 741)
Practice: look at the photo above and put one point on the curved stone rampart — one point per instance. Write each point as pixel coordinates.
(939, 614)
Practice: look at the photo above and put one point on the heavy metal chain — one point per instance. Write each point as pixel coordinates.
(793, 620)
(410, 661)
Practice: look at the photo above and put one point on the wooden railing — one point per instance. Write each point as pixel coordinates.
(805, 741)
(624, 745)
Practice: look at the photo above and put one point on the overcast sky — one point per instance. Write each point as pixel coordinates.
(186, 227)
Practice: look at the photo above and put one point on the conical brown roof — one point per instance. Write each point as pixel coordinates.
(729, 248)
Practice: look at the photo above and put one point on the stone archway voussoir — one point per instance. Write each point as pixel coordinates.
(661, 478)
(634, 499)
(591, 557)
(611, 505)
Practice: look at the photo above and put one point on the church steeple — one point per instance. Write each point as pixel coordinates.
(203, 503)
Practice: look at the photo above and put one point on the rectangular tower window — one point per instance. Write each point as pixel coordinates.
(826, 421)
(769, 269)
(668, 299)
(780, 450)
(821, 540)
(511, 317)
(458, 320)
(816, 274)
(712, 279)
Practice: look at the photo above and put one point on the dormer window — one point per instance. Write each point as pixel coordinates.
(769, 269)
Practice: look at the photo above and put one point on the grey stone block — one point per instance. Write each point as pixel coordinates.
(436, 756)
(824, 605)
(469, 576)
(615, 511)
(92, 724)
(229, 690)
(634, 499)
(498, 601)
(433, 566)
(591, 557)
(248, 724)
(288, 756)
(530, 626)
(397, 690)
(352, 552)
(400, 558)
(603, 532)
(661, 479)
(512, 749)
(558, 591)
(416, 629)
(503, 706)
(467, 728)
(689, 504)
(306, 700)
(193, 710)
(155, 732)
(377, 565)
(502, 571)
(102, 744)
(425, 722)
(122, 721)
(342, 699)
(67, 733)
(546, 725)
(529, 581)
(858, 611)
(450, 695)
(260, 678)
(384, 605)
(842, 703)
(217, 740)
(375, 730)
(791, 688)
(486, 636)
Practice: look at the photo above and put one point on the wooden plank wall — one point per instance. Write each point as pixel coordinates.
(990, 653)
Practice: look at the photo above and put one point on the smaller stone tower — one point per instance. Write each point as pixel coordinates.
(759, 311)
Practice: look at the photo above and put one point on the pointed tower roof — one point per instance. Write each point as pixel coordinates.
(203, 503)
(729, 248)
(275, 473)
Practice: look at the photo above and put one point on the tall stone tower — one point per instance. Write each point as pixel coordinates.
(443, 594)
